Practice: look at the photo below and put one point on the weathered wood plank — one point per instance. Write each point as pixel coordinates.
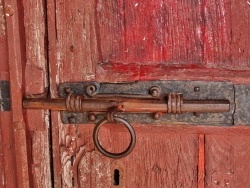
(76, 40)
(138, 40)
(93, 169)
(192, 72)
(36, 85)
(2, 166)
(173, 40)
(7, 144)
(240, 34)
(73, 55)
(227, 161)
(9, 178)
(201, 164)
(149, 31)
(36, 49)
(117, 72)
(41, 166)
(217, 34)
(130, 72)
(52, 38)
(158, 159)
(16, 59)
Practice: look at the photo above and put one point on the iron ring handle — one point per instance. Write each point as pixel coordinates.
(109, 154)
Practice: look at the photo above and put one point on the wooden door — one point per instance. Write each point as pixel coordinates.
(51, 42)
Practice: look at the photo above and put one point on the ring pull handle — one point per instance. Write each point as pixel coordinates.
(112, 119)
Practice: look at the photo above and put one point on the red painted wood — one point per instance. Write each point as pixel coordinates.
(152, 31)
(227, 161)
(129, 72)
(176, 40)
(8, 166)
(73, 54)
(159, 159)
(201, 165)
(36, 86)
(116, 41)
(16, 60)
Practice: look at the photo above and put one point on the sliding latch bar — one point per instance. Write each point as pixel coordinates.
(173, 103)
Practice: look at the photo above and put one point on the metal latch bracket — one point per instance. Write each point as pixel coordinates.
(191, 90)
(4, 96)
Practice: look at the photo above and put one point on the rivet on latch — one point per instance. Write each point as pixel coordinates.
(157, 116)
(154, 91)
(92, 117)
(72, 120)
(196, 114)
(196, 89)
(91, 90)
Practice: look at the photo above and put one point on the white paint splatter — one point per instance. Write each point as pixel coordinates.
(3, 180)
(136, 4)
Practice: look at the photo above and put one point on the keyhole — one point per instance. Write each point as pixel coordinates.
(116, 177)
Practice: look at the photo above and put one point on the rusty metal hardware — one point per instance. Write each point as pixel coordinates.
(112, 119)
(174, 104)
(156, 91)
(148, 102)
(4, 96)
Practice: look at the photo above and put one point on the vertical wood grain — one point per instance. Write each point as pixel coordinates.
(76, 40)
(94, 169)
(201, 164)
(7, 142)
(159, 159)
(217, 33)
(41, 163)
(8, 155)
(150, 31)
(16, 60)
(240, 33)
(227, 161)
(2, 170)
(36, 86)
(3, 68)
(73, 55)
(188, 39)
(115, 41)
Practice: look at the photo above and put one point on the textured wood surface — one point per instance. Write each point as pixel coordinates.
(73, 54)
(7, 143)
(159, 159)
(190, 39)
(201, 165)
(116, 41)
(16, 60)
(227, 161)
(108, 72)
(36, 86)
